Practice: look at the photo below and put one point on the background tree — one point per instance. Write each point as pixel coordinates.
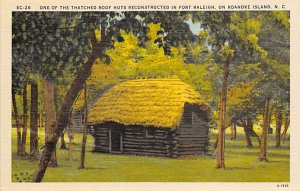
(49, 90)
(34, 120)
(19, 76)
(235, 41)
(243, 108)
(25, 117)
(277, 43)
(286, 126)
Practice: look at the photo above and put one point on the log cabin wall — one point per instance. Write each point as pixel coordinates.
(193, 132)
(147, 141)
(190, 138)
(101, 135)
(135, 140)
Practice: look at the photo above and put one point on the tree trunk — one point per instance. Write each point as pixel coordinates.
(25, 117)
(16, 116)
(278, 127)
(247, 136)
(63, 142)
(253, 133)
(234, 128)
(50, 115)
(34, 120)
(263, 146)
(286, 126)
(270, 130)
(53, 161)
(40, 121)
(222, 117)
(233, 131)
(221, 137)
(70, 136)
(84, 137)
(63, 117)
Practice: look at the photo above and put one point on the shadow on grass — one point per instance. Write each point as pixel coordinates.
(238, 168)
(232, 153)
(92, 168)
(275, 161)
(278, 155)
(246, 153)
(62, 165)
(285, 147)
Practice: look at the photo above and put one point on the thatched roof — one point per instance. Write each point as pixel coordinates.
(147, 102)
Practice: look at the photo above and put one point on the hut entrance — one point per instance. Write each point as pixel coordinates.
(116, 139)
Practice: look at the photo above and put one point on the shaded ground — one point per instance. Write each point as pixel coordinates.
(241, 162)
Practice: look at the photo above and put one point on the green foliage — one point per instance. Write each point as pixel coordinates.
(55, 45)
(275, 36)
(131, 61)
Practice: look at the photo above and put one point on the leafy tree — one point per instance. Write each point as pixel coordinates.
(19, 75)
(129, 61)
(242, 108)
(276, 42)
(234, 41)
(54, 39)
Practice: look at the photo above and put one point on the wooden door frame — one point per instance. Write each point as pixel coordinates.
(110, 140)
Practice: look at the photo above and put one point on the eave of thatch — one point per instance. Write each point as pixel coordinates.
(147, 102)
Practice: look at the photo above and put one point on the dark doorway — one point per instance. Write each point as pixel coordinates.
(116, 136)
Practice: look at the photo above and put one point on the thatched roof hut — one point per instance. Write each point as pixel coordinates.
(162, 105)
(147, 102)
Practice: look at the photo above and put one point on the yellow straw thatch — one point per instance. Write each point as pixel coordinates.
(147, 102)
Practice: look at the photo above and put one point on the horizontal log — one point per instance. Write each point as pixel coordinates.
(148, 141)
(143, 137)
(193, 143)
(193, 139)
(102, 145)
(101, 130)
(191, 147)
(101, 141)
(101, 135)
(144, 151)
(134, 145)
(146, 154)
(144, 147)
(134, 134)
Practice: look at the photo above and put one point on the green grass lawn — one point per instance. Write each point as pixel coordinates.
(241, 165)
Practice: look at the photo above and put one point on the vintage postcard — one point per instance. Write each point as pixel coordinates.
(166, 95)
